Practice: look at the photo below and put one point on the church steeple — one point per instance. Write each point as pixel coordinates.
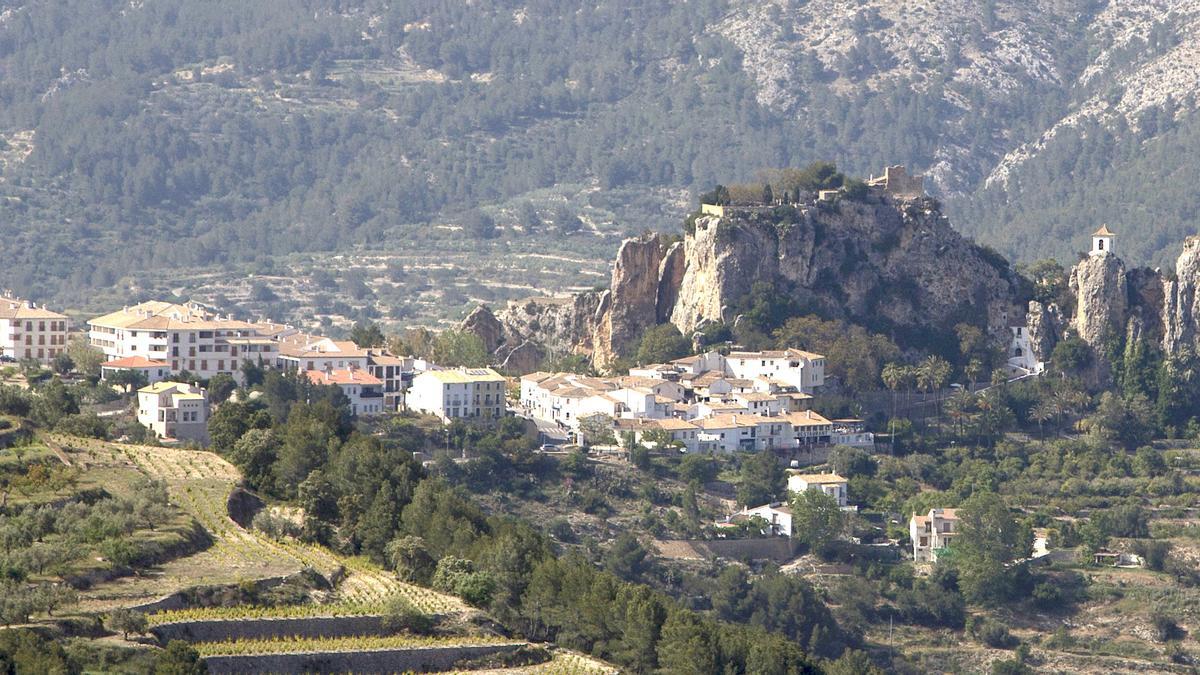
(1102, 240)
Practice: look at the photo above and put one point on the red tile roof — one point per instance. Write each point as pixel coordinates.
(134, 362)
(355, 376)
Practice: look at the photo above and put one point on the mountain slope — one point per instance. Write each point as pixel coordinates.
(187, 135)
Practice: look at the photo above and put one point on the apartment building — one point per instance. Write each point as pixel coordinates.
(188, 337)
(174, 410)
(460, 393)
(31, 332)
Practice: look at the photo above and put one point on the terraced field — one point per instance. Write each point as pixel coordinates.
(350, 644)
(199, 482)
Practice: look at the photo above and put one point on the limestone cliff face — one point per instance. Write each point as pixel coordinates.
(1181, 300)
(600, 324)
(897, 267)
(1101, 297)
(1045, 324)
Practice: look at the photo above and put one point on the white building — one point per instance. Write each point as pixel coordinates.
(31, 332)
(684, 434)
(173, 410)
(460, 393)
(829, 483)
(364, 390)
(396, 373)
(778, 517)
(189, 337)
(313, 352)
(1021, 359)
(153, 371)
(793, 367)
(932, 533)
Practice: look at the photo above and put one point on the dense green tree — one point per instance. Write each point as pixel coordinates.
(125, 621)
(367, 334)
(627, 559)
(662, 343)
(761, 479)
(990, 538)
(220, 387)
(817, 520)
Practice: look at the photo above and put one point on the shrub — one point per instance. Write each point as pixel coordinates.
(991, 633)
(1165, 627)
(401, 615)
(458, 576)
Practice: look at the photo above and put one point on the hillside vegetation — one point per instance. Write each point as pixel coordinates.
(229, 133)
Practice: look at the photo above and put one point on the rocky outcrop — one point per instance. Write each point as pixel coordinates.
(894, 266)
(1101, 298)
(1045, 325)
(483, 323)
(670, 278)
(1181, 300)
(602, 324)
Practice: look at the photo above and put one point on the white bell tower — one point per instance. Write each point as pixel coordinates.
(1102, 240)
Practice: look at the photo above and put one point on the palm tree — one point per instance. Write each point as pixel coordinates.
(958, 409)
(893, 376)
(932, 375)
(972, 370)
(1043, 412)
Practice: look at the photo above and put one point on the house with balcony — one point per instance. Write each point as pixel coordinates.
(31, 332)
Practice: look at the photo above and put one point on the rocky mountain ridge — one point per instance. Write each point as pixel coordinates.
(894, 265)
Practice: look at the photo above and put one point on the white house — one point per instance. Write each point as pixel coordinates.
(174, 410)
(829, 483)
(460, 393)
(364, 390)
(932, 533)
(30, 332)
(1102, 241)
(777, 515)
(153, 371)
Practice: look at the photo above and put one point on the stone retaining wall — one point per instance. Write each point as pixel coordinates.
(219, 630)
(421, 660)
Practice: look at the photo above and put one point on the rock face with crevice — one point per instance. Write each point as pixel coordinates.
(1101, 298)
(1181, 301)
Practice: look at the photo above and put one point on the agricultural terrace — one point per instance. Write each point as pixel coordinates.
(199, 482)
(347, 644)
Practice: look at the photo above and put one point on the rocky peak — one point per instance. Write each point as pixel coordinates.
(1181, 300)
(1101, 307)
